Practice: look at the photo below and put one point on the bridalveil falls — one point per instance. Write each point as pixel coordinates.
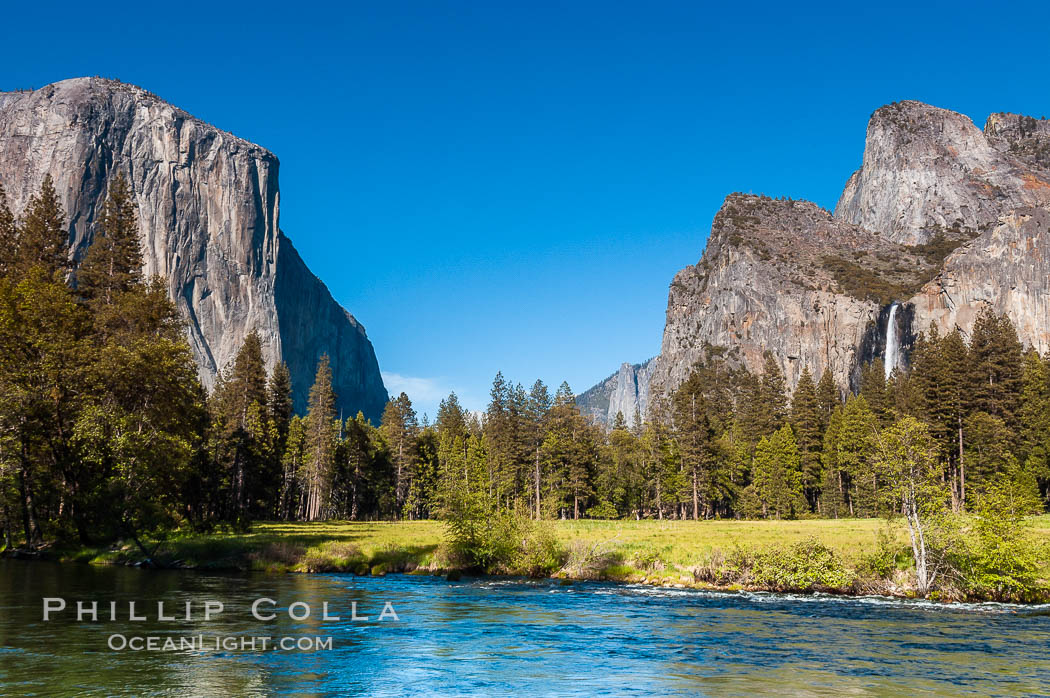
(893, 350)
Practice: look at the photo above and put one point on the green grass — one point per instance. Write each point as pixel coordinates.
(305, 547)
(663, 552)
(692, 542)
(676, 542)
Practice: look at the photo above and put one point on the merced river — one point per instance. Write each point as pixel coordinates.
(490, 637)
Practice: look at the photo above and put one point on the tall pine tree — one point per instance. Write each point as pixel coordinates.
(43, 240)
(805, 420)
(400, 428)
(319, 439)
(8, 237)
(113, 263)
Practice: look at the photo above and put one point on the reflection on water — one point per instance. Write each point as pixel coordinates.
(503, 636)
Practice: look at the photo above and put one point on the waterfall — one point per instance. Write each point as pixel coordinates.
(892, 352)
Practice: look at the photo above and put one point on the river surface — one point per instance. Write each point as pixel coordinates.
(496, 637)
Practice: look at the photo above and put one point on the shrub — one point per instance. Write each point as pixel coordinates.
(888, 556)
(481, 539)
(541, 552)
(865, 282)
(803, 567)
(1000, 561)
(587, 561)
(484, 540)
(649, 560)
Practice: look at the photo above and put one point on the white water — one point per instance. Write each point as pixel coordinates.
(892, 352)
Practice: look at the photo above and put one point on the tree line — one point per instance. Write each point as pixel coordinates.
(726, 443)
(107, 432)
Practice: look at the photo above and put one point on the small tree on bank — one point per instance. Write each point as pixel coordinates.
(906, 454)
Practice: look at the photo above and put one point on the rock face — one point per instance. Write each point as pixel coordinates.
(1023, 137)
(927, 169)
(1006, 268)
(625, 392)
(941, 217)
(764, 284)
(312, 323)
(209, 206)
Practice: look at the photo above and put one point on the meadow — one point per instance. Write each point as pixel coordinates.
(653, 551)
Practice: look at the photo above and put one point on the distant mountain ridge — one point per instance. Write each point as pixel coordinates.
(941, 216)
(625, 392)
(209, 208)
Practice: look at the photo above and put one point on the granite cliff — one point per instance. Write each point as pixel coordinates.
(625, 392)
(927, 170)
(209, 207)
(942, 219)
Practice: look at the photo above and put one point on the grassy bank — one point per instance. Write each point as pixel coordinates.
(859, 555)
(302, 547)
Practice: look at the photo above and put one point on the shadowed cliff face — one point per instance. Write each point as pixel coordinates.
(941, 217)
(208, 206)
(310, 324)
(873, 344)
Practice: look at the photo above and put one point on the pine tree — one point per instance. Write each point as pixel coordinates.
(873, 388)
(451, 417)
(453, 432)
(777, 477)
(43, 240)
(279, 401)
(805, 420)
(997, 359)
(8, 237)
(569, 452)
(955, 403)
(774, 392)
(421, 500)
(833, 496)
(293, 466)
(828, 398)
(754, 416)
(656, 461)
(943, 377)
(539, 406)
(239, 404)
(622, 485)
(356, 465)
(854, 456)
(244, 382)
(517, 478)
(499, 437)
(113, 263)
(400, 428)
(696, 440)
(733, 473)
(1035, 418)
(989, 449)
(902, 397)
(319, 442)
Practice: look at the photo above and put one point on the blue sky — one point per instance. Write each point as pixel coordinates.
(496, 186)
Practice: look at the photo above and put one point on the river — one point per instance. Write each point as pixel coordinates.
(495, 637)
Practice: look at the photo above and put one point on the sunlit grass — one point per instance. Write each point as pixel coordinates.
(383, 546)
(690, 542)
